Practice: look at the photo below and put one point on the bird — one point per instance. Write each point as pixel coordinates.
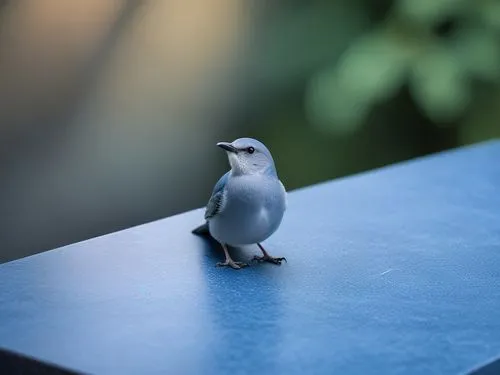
(248, 202)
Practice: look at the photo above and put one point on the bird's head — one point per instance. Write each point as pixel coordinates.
(248, 156)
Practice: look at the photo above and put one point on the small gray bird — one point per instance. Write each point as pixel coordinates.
(247, 203)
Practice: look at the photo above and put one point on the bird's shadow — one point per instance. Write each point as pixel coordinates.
(214, 252)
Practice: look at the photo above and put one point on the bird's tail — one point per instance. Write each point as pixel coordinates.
(202, 230)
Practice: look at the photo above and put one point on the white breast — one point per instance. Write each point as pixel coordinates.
(253, 210)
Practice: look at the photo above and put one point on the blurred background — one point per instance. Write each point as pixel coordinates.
(110, 110)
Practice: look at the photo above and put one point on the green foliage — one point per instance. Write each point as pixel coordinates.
(408, 48)
(439, 84)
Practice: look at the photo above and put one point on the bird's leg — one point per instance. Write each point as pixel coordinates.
(229, 262)
(268, 258)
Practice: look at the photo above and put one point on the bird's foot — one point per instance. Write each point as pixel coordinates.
(232, 264)
(270, 259)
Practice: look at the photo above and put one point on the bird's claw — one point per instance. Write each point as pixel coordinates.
(232, 264)
(270, 259)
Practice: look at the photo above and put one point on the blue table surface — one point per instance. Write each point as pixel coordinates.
(394, 271)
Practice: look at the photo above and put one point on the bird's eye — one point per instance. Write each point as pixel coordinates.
(250, 150)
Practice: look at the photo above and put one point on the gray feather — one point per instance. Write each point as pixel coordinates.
(214, 205)
(201, 230)
(216, 201)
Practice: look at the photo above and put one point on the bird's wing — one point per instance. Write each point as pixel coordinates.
(217, 200)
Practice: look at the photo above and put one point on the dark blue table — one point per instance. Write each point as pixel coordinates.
(396, 271)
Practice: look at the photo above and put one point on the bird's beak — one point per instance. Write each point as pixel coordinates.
(227, 146)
